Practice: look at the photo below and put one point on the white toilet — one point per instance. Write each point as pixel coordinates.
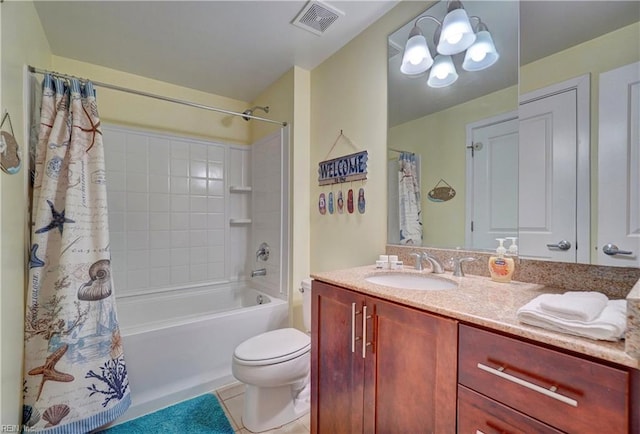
(275, 368)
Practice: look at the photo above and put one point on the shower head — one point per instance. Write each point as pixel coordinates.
(249, 112)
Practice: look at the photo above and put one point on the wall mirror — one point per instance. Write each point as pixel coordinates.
(442, 127)
(436, 125)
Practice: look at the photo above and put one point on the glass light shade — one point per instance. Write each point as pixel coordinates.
(416, 58)
(482, 54)
(457, 34)
(443, 73)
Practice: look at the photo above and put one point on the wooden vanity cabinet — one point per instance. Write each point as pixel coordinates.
(377, 366)
(511, 386)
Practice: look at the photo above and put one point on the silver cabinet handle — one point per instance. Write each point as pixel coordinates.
(547, 392)
(562, 245)
(365, 344)
(479, 432)
(354, 338)
(612, 249)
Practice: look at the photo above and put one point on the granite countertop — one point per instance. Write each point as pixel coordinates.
(481, 301)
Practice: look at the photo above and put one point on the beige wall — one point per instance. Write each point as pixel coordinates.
(22, 42)
(349, 94)
(440, 139)
(137, 111)
(594, 57)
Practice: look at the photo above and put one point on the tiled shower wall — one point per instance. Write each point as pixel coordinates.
(169, 210)
(269, 170)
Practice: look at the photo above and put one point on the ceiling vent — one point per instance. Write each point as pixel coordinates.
(316, 17)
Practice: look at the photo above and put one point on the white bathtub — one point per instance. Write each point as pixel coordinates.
(179, 344)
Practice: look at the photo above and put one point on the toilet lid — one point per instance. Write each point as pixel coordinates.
(273, 347)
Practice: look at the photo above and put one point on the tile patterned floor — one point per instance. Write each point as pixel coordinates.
(232, 398)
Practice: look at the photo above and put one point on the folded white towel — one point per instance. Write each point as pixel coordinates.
(575, 305)
(610, 325)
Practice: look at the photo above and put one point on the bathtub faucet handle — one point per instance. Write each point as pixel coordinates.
(263, 252)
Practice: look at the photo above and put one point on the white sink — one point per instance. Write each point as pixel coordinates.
(425, 282)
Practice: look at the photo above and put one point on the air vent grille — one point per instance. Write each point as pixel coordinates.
(316, 17)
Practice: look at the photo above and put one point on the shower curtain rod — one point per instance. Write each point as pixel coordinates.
(400, 152)
(35, 70)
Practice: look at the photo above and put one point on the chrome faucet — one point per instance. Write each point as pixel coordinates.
(259, 272)
(418, 257)
(436, 266)
(457, 265)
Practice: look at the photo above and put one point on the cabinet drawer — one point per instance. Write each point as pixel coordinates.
(478, 414)
(564, 391)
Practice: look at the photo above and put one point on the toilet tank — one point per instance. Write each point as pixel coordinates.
(305, 289)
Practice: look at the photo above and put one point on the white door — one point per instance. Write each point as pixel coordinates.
(551, 197)
(492, 194)
(619, 167)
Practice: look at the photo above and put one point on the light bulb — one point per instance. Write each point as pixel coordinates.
(478, 55)
(454, 38)
(441, 73)
(415, 59)
(416, 49)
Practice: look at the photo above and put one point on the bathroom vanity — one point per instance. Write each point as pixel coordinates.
(396, 360)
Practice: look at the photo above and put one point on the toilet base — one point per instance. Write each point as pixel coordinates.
(267, 408)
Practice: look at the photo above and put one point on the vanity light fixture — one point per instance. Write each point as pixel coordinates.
(453, 35)
(417, 57)
(482, 54)
(443, 73)
(457, 34)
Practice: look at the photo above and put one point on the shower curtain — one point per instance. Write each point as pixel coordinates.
(75, 374)
(409, 199)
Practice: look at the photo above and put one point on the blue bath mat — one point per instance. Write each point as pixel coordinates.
(201, 415)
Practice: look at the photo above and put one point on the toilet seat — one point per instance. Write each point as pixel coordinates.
(272, 347)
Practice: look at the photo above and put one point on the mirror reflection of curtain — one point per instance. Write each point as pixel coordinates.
(410, 212)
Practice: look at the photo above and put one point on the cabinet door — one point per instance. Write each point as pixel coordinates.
(336, 371)
(410, 371)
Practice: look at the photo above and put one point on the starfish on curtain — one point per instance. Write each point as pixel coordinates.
(48, 370)
(34, 261)
(57, 221)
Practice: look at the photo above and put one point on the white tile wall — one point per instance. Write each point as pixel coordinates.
(169, 208)
(266, 213)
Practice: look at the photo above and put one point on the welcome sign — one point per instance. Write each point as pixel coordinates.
(351, 167)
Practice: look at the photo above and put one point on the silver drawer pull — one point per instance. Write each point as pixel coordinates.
(365, 344)
(354, 338)
(528, 385)
(479, 432)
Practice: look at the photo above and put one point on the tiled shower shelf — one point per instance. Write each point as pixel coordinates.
(240, 189)
(239, 222)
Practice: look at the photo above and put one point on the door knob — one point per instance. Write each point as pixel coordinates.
(562, 245)
(612, 249)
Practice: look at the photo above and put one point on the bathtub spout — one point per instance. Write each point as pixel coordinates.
(259, 272)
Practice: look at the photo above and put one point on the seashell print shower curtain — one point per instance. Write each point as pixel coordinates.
(75, 374)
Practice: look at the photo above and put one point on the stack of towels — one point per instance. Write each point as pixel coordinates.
(587, 314)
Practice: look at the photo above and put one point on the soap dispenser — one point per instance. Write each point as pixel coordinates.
(501, 268)
(513, 248)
